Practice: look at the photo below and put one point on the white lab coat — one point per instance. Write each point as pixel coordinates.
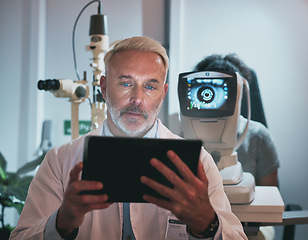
(149, 222)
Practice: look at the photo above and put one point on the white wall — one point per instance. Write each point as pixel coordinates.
(271, 37)
(22, 63)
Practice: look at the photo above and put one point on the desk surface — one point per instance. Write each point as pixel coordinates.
(291, 218)
(267, 207)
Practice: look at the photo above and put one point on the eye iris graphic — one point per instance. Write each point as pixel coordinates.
(206, 94)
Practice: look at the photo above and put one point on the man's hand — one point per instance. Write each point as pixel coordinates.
(188, 199)
(75, 206)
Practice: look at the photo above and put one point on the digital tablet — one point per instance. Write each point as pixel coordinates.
(119, 163)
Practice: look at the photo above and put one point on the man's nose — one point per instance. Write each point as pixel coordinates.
(137, 96)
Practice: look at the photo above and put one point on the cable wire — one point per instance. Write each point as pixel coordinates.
(74, 29)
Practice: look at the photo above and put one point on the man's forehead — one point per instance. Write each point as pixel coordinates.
(131, 55)
(127, 59)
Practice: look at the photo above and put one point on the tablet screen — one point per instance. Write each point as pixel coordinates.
(119, 163)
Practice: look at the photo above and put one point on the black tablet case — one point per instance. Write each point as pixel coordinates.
(120, 162)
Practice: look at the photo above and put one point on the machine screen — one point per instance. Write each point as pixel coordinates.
(207, 94)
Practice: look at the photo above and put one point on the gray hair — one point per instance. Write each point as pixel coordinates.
(145, 44)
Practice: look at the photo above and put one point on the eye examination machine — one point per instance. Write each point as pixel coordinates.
(210, 104)
(77, 91)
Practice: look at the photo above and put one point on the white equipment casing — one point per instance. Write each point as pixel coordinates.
(219, 136)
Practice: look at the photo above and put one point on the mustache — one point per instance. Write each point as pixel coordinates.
(134, 109)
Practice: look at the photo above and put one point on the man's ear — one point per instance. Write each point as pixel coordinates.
(103, 86)
(166, 86)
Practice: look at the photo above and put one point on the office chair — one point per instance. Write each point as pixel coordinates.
(257, 111)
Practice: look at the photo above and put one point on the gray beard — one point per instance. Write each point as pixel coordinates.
(141, 130)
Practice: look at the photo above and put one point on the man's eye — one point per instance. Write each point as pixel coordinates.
(150, 87)
(125, 84)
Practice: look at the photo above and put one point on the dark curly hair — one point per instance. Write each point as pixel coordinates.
(229, 63)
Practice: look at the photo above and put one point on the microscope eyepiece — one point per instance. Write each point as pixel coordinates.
(80, 92)
(48, 85)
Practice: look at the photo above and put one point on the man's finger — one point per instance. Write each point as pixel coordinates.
(161, 189)
(82, 185)
(75, 172)
(201, 173)
(157, 201)
(183, 169)
(170, 175)
(92, 199)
